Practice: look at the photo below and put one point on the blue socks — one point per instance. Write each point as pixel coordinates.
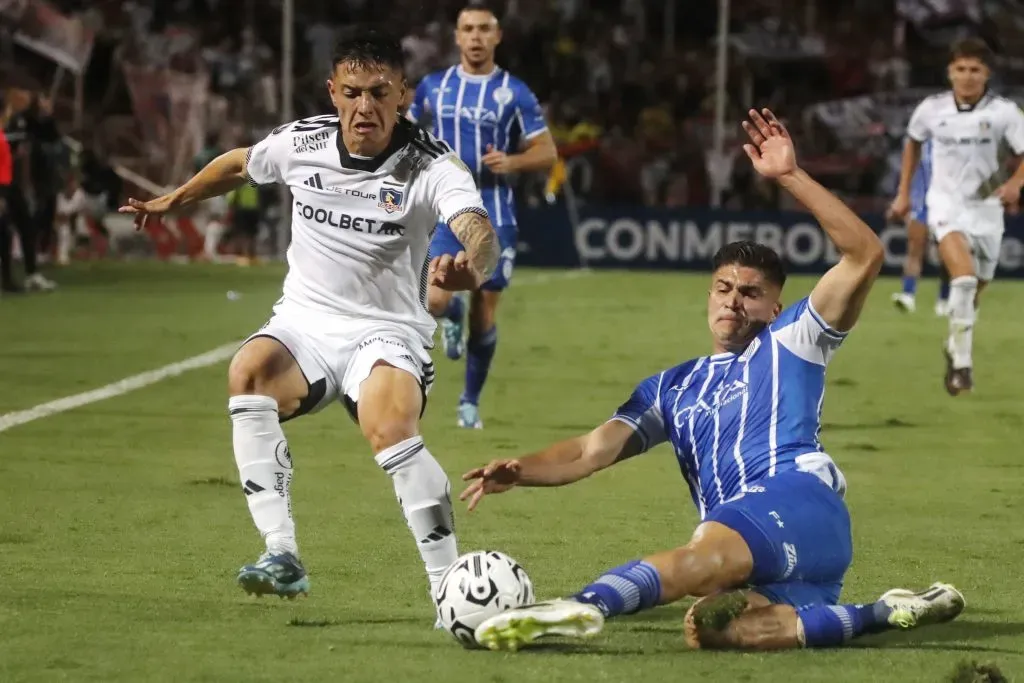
(479, 354)
(910, 284)
(455, 309)
(627, 589)
(834, 625)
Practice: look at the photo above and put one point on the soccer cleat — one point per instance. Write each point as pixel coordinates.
(469, 416)
(958, 380)
(451, 339)
(37, 282)
(942, 308)
(904, 302)
(282, 575)
(521, 626)
(941, 602)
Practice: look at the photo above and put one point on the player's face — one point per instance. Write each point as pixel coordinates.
(968, 76)
(741, 302)
(367, 99)
(477, 34)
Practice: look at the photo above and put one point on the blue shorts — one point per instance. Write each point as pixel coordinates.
(798, 530)
(445, 242)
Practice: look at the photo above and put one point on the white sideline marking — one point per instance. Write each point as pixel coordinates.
(212, 357)
(118, 388)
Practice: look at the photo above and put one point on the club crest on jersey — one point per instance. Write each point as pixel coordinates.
(390, 199)
(503, 95)
(984, 125)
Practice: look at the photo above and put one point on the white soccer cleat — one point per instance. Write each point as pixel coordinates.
(515, 628)
(942, 308)
(39, 283)
(904, 302)
(941, 602)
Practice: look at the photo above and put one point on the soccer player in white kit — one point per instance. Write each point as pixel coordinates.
(967, 127)
(352, 325)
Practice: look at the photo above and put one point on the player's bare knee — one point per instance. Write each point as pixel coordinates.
(709, 570)
(740, 620)
(250, 374)
(389, 406)
(263, 367)
(437, 301)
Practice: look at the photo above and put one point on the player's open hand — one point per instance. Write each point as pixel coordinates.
(496, 477)
(143, 210)
(453, 274)
(899, 208)
(1009, 195)
(772, 151)
(498, 162)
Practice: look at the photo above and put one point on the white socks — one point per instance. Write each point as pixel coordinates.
(265, 469)
(961, 319)
(423, 492)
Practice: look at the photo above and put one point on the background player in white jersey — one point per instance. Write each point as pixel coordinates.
(352, 325)
(486, 115)
(774, 542)
(917, 243)
(967, 127)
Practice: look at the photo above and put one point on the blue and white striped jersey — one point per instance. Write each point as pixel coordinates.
(735, 420)
(922, 176)
(471, 112)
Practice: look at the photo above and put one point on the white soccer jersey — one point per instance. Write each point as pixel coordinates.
(361, 227)
(967, 142)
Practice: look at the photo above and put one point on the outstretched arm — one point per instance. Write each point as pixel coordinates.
(220, 176)
(559, 464)
(475, 232)
(840, 294)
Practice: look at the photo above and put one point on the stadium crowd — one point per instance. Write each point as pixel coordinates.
(628, 87)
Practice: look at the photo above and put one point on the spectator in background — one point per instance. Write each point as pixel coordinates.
(70, 207)
(18, 129)
(48, 165)
(245, 221)
(6, 176)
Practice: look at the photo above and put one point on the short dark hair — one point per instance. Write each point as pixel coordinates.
(752, 255)
(480, 6)
(368, 47)
(971, 48)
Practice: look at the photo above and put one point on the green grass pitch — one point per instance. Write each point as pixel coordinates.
(122, 523)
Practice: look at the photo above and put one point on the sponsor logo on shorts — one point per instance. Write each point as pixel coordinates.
(791, 559)
(377, 339)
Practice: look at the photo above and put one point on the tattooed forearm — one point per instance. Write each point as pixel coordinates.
(477, 235)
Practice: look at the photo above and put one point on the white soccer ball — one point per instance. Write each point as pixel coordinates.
(477, 586)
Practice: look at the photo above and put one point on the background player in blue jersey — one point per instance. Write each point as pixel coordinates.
(487, 116)
(774, 542)
(917, 242)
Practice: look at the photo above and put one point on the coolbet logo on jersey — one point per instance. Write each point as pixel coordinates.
(391, 200)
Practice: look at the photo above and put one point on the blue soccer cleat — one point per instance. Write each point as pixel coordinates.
(469, 416)
(451, 338)
(282, 575)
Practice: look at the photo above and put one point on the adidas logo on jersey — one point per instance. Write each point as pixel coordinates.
(314, 181)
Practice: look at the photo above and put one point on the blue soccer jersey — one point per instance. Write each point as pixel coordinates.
(472, 112)
(735, 421)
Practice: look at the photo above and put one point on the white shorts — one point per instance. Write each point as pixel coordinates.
(983, 227)
(335, 354)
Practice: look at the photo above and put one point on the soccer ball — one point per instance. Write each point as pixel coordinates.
(477, 586)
